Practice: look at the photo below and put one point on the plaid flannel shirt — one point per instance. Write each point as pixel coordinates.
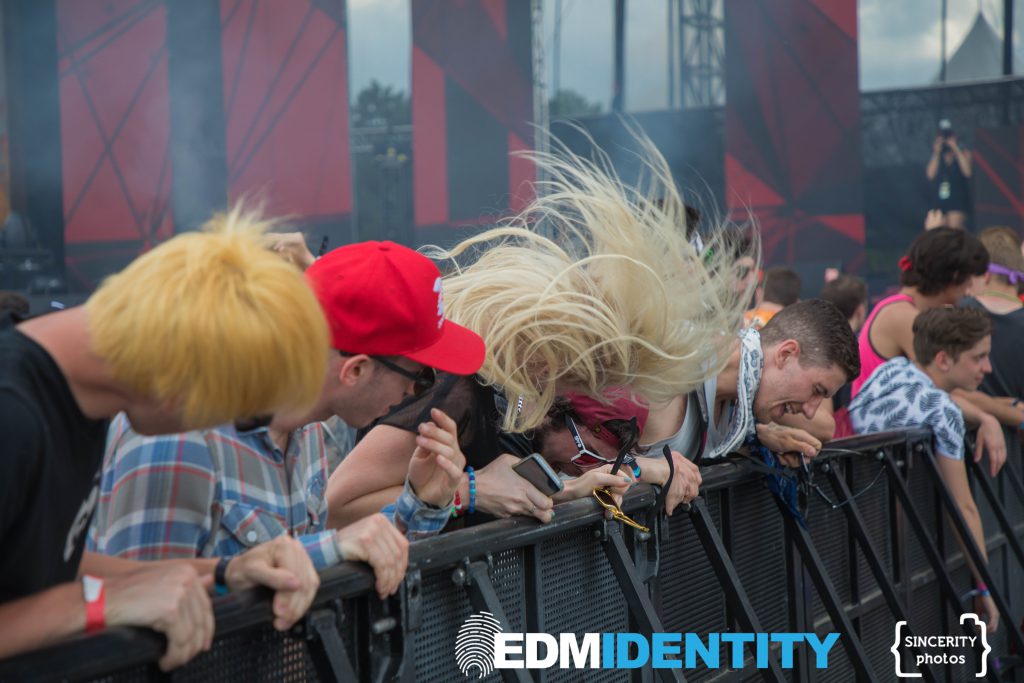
(218, 492)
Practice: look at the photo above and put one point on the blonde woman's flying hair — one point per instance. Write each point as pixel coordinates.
(213, 323)
(595, 285)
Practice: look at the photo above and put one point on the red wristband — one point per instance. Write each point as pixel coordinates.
(95, 603)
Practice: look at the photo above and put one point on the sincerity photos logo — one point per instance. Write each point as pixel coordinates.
(940, 650)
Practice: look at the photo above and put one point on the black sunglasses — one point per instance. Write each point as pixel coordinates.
(421, 381)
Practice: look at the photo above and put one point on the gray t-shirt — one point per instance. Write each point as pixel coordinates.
(687, 439)
(736, 422)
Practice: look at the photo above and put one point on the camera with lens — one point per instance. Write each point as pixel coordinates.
(945, 131)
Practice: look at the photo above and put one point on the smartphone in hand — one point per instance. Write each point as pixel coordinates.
(538, 472)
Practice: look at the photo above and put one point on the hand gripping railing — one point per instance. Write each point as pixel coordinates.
(729, 561)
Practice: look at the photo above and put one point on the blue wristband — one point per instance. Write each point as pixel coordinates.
(472, 491)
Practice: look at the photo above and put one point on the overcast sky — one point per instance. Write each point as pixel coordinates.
(899, 44)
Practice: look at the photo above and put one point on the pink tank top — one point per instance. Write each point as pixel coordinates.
(869, 357)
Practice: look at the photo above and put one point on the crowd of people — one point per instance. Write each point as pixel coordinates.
(940, 353)
(230, 411)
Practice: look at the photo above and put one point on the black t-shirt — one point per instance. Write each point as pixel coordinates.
(951, 190)
(1007, 376)
(49, 470)
(477, 410)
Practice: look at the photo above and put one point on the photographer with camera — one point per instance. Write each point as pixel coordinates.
(949, 172)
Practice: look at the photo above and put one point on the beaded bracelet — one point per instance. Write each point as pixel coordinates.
(472, 491)
(983, 590)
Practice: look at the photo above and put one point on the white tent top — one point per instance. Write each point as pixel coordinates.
(980, 55)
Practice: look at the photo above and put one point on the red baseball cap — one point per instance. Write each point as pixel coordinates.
(616, 404)
(383, 299)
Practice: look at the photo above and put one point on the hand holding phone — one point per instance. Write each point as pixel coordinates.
(538, 472)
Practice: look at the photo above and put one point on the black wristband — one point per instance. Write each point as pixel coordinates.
(220, 578)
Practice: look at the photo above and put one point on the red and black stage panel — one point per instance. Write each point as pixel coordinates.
(792, 122)
(999, 178)
(170, 111)
(285, 95)
(472, 105)
(115, 132)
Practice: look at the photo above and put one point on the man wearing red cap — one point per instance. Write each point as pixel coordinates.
(218, 492)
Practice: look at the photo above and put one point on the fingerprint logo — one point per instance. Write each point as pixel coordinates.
(474, 646)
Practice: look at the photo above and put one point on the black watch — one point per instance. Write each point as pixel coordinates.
(220, 576)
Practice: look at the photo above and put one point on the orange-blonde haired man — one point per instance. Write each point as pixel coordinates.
(172, 340)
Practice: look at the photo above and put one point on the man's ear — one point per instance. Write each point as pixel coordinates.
(353, 369)
(787, 350)
(943, 361)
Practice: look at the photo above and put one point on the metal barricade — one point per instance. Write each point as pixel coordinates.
(876, 551)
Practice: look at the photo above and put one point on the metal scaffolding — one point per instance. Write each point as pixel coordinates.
(540, 95)
(898, 126)
(702, 52)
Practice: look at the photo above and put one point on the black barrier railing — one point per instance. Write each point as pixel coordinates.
(876, 551)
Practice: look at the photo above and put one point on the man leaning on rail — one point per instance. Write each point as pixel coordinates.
(771, 388)
(951, 349)
(218, 492)
(159, 341)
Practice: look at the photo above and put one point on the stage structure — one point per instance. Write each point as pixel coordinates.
(115, 131)
(792, 157)
(161, 113)
(898, 129)
(144, 116)
(999, 177)
(285, 75)
(472, 106)
(702, 52)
